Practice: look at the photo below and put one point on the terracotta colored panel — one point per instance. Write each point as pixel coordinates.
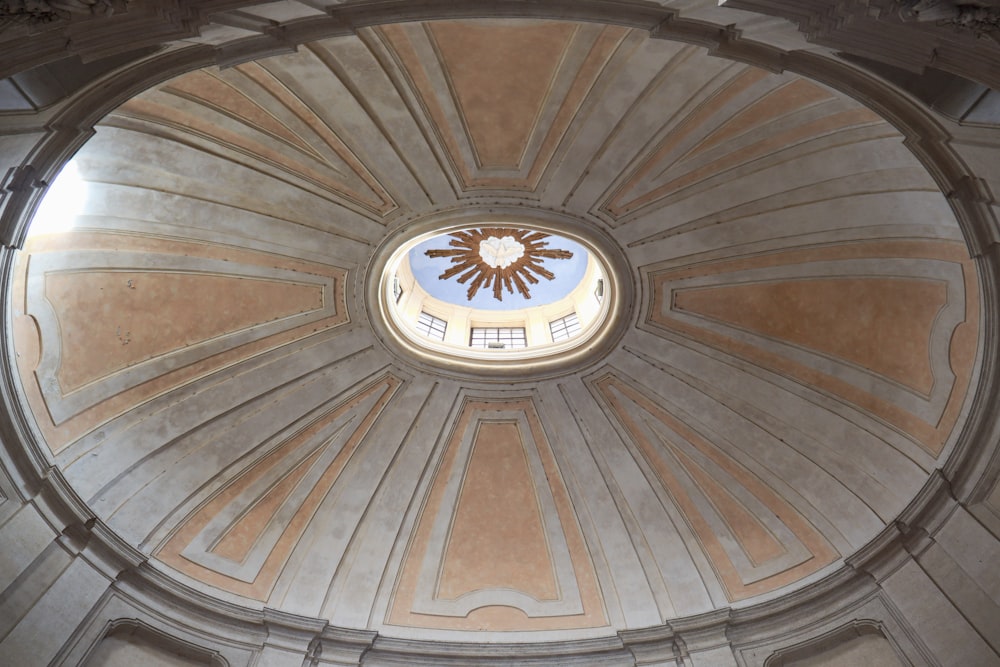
(189, 528)
(621, 396)
(964, 339)
(218, 94)
(799, 94)
(497, 540)
(58, 436)
(496, 618)
(778, 141)
(241, 537)
(883, 324)
(110, 320)
(475, 176)
(487, 67)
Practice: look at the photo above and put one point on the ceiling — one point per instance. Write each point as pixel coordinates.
(199, 357)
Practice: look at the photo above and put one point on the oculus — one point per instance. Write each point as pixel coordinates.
(505, 297)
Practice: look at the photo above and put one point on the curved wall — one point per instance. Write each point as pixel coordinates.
(921, 589)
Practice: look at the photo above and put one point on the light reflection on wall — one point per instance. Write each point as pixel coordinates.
(64, 201)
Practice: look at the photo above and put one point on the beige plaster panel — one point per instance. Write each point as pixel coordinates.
(711, 139)
(497, 538)
(880, 324)
(688, 465)
(931, 432)
(96, 361)
(494, 457)
(259, 500)
(286, 133)
(192, 187)
(500, 128)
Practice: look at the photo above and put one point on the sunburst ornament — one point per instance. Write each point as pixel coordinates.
(498, 257)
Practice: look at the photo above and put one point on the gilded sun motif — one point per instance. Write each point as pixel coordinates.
(498, 257)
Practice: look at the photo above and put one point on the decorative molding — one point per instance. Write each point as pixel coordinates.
(234, 642)
(317, 640)
(229, 543)
(963, 17)
(21, 189)
(837, 637)
(171, 644)
(37, 12)
(599, 652)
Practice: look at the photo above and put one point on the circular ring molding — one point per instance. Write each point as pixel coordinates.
(598, 335)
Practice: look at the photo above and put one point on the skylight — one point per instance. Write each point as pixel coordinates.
(497, 295)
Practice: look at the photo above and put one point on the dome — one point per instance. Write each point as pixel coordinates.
(767, 348)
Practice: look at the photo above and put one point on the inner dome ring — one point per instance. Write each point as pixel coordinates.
(533, 364)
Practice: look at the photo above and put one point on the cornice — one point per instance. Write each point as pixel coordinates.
(908, 535)
(316, 638)
(878, 29)
(806, 607)
(30, 462)
(974, 464)
(603, 651)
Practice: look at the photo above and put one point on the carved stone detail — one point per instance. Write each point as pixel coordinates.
(982, 21)
(36, 12)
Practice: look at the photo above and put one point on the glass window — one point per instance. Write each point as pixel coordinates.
(433, 327)
(564, 328)
(498, 338)
(397, 289)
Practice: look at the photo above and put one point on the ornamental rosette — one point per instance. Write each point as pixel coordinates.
(498, 257)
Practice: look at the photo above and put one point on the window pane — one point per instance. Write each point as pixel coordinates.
(397, 289)
(498, 338)
(565, 327)
(431, 326)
